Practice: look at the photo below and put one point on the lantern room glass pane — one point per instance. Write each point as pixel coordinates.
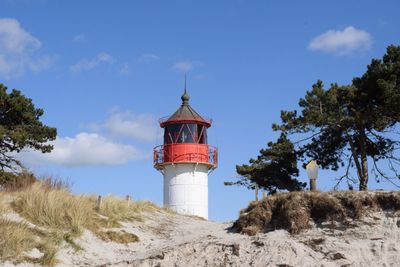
(171, 133)
(186, 135)
(167, 139)
(202, 130)
(193, 131)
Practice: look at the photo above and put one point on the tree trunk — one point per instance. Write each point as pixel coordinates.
(362, 168)
(364, 176)
(364, 163)
(355, 156)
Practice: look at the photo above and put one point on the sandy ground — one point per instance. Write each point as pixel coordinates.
(174, 240)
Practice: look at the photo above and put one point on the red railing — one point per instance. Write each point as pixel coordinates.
(196, 153)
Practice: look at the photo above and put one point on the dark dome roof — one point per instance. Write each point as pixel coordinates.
(185, 113)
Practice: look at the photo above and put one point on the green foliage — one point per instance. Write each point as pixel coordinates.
(346, 125)
(21, 128)
(273, 170)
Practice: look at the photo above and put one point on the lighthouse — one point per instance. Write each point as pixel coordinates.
(185, 160)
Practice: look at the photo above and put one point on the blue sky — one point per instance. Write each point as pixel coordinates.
(105, 71)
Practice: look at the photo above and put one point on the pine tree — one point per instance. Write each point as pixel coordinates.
(344, 126)
(273, 170)
(20, 128)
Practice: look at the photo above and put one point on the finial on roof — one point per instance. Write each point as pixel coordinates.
(185, 97)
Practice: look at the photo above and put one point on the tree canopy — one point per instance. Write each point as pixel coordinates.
(344, 126)
(273, 170)
(21, 128)
(350, 126)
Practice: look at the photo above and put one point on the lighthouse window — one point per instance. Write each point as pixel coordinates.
(193, 132)
(171, 133)
(186, 135)
(202, 132)
(168, 139)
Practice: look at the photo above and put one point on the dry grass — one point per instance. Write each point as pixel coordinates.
(118, 237)
(298, 211)
(15, 239)
(15, 182)
(50, 255)
(60, 210)
(50, 204)
(2, 205)
(54, 208)
(51, 183)
(118, 209)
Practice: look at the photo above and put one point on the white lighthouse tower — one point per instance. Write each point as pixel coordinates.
(185, 159)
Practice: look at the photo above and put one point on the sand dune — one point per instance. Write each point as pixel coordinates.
(175, 240)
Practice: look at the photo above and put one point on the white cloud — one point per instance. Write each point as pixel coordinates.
(100, 147)
(125, 124)
(84, 149)
(342, 42)
(79, 38)
(183, 66)
(18, 50)
(149, 58)
(85, 64)
(125, 70)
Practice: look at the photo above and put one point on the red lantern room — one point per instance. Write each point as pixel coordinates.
(185, 139)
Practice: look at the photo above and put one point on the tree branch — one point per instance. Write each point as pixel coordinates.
(382, 174)
(346, 175)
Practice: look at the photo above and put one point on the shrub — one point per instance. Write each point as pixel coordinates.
(297, 211)
(291, 211)
(256, 217)
(14, 182)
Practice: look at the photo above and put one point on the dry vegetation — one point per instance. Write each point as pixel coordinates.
(118, 237)
(15, 238)
(59, 218)
(14, 182)
(54, 208)
(122, 210)
(2, 205)
(298, 211)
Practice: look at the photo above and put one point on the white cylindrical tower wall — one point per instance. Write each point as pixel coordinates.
(186, 188)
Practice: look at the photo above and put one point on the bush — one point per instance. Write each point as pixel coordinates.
(14, 182)
(298, 211)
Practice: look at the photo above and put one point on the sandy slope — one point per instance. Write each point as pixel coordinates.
(174, 240)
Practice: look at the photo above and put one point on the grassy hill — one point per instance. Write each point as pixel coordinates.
(45, 214)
